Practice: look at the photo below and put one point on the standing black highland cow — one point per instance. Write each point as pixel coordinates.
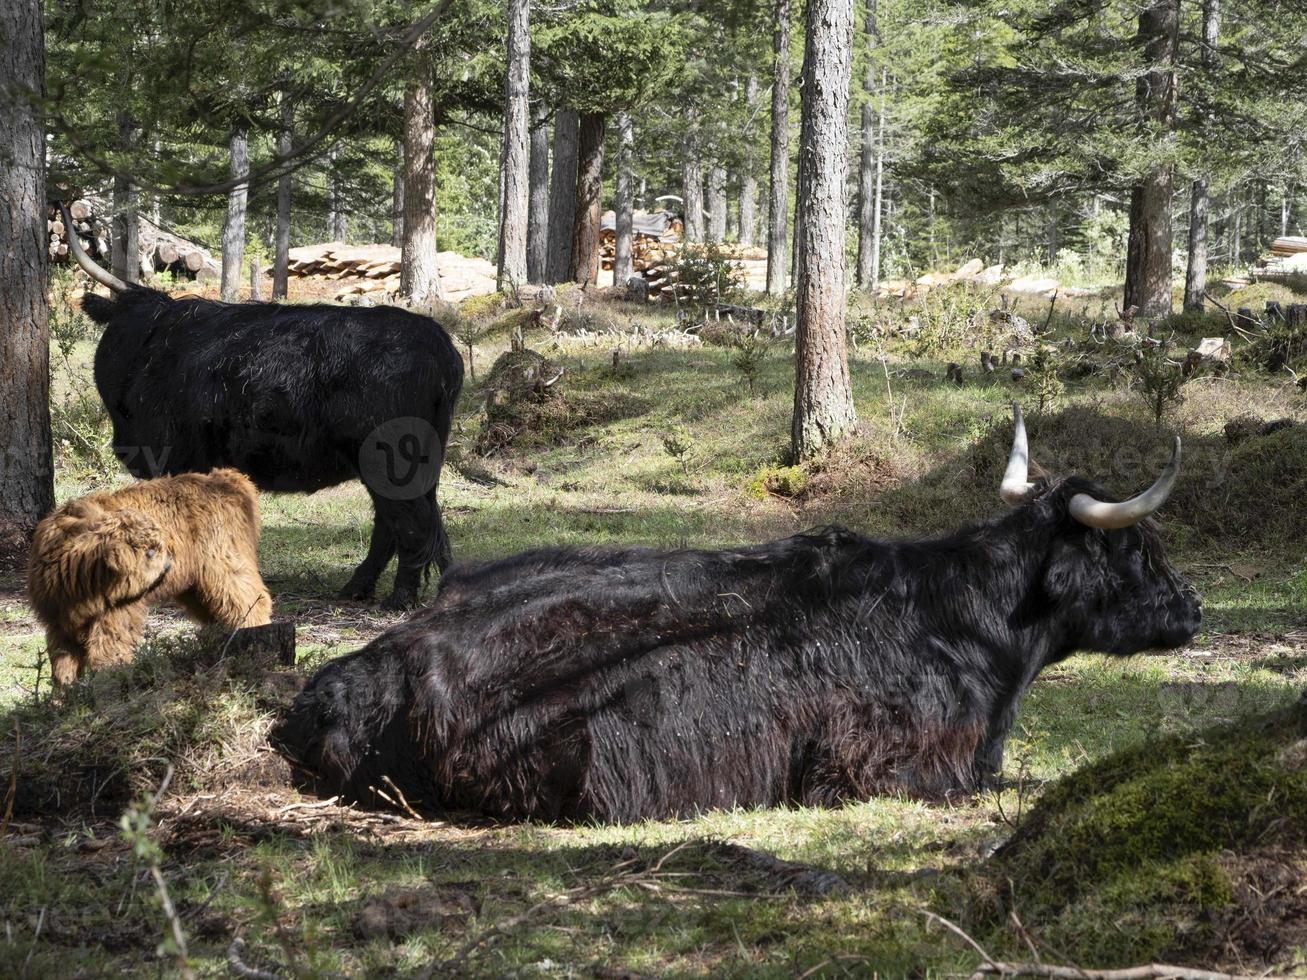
(626, 684)
(296, 397)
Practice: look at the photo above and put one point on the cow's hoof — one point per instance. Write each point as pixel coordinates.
(357, 592)
(400, 601)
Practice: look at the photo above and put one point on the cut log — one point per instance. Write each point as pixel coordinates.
(263, 647)
(165, 254)
(194, 261)
(1289, 245)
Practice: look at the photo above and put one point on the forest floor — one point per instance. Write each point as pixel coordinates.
(668, 447)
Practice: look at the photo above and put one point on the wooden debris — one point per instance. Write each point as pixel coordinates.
(160, 250)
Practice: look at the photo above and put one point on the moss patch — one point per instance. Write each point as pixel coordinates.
(1145, 854)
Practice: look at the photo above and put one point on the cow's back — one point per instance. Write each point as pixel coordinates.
(284, 393)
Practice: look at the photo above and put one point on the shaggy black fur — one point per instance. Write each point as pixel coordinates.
(287, 394)
(628, 684)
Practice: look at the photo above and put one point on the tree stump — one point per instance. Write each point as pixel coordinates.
(264, 647)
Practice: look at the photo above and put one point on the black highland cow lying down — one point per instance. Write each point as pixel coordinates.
(296, 397)
(626, 684)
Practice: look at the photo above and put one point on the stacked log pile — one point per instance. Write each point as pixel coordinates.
(654, 235)
(372, 271)
(1286, 262)
(160, 251)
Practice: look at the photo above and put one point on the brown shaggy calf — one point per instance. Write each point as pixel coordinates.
(100, 561)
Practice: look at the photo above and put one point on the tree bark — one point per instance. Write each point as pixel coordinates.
(281, 254)
(624, 199)
(716, 204)
(1148, 252)
(125, 251)
(823, 399)
(748, 182)
(589, 192)
(1195, 279)
(517, 149)
(26, 472)
(562, 195)
(419, 269)
(537, 223)
(868, 159)
(692, 179)
(397, 199)
(778, 178)
(337, 227)
(878, 210)
(233, 229)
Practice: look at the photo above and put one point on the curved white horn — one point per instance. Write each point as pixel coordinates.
(102, 276)
(1016, 485)
(1098, 513)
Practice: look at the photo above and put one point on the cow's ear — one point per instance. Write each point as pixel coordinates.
(1069, 576)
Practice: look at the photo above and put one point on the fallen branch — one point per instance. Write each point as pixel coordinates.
(239, 967)
(1148, 971)
(625, 874)
(1228, 316)
(990, 967)
(13, 779)
(403, 803)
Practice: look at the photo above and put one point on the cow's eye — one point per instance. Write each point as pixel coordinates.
(150, 552)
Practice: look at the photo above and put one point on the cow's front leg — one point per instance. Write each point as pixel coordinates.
(363, 583)
(989, 762)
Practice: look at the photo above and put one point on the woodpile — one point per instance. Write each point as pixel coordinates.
(1289, 245)
(1286, 262)
(654, 235)
(160, 250)
(372, 271)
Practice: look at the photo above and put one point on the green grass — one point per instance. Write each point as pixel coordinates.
(246, 869)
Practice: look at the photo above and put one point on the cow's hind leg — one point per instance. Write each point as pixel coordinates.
(363, 583)
(235, 599)
(419, 539)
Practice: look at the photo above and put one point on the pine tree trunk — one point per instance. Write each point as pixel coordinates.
(779, 175)
(125, 253)
(1195, 279)
(233, 229)
(419, 269)
(716, 204)
(562, 195)
(692, 180)
(878, 211)
(397, 199)
(748, 182)
(281, 255)
(26, 473)
(867, 160)
(1051, 244)
(589, 193)
(337, 225)
(537, 224)
(823, 399)
(624, 199)
(796, 234)
(517, 147)
(1236, 234)
(1148, 252)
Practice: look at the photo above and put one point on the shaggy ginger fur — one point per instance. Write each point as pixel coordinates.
(100, 561)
